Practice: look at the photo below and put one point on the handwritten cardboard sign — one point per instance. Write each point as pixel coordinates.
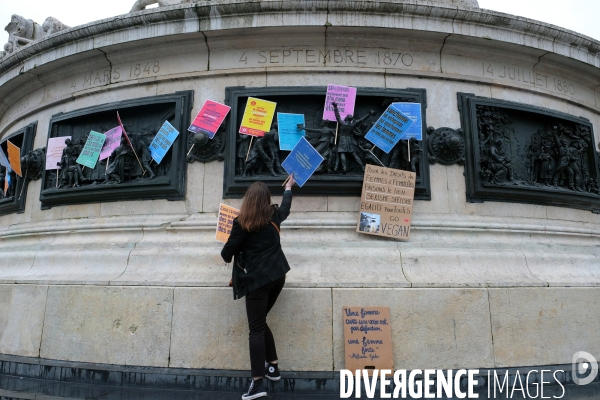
(209, 118)
(54, 151)
(302, 161)
(163, 141)
(344, 96)
(386, 202)
(113, 140)
(225, 222)
(258, 117)
(14, 157)
(367, 338)
(412, 111)
(389, 128)
(289, 134)
(91, 150)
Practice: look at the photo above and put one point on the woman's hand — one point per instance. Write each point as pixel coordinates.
(290, 183)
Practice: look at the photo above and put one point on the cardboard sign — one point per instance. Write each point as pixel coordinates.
(54, 151)
(344, 96)
(386, 202)
(91, 150)
(14, 157)
(163, 141)
(209, 118)
(113, 140)
(367, 338)
(412, 111)
(225, 222)
(258, 117)
(302, 161)
(4, 161)
(389, 128)
(289, 134)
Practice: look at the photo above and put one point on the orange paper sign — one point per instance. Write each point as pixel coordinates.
(226, 216)
(14, 157)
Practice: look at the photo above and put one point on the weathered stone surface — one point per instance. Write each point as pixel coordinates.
(210, 330)
(437, 329)
(543, 326)
(126, 326)
(22, 319)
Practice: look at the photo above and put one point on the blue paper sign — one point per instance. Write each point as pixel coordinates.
(163, 141)
(412, 111)
(289, 134)
(4, 161)
(302, 161)
(389, 128)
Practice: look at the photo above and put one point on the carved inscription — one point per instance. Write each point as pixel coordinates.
(327, 56)
(118, 73)
(528, 77)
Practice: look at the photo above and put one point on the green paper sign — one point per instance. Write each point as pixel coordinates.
(91, 151)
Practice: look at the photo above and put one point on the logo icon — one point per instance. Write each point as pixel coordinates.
(582, 363)
(253, 103)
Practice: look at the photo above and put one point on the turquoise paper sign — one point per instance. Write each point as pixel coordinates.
(91, 151)
(289, 134)
(163, 141)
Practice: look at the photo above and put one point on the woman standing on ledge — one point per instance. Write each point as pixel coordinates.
(259, 274)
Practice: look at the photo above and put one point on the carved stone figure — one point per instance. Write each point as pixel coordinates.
(121, 165)
(33, 163)
(22, 32)
(143, 153)
(323, 142)
(242, 150)
(270, 144)
(71, 174)
(52, 25)
(495, 165)
(258, 158)
(346, 142)
(545, 166)
(140, 5)
(567, 162)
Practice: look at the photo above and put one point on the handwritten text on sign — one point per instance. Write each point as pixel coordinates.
(367, 338)
(226, 216)
(386, 202)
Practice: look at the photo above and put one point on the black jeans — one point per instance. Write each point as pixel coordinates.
(261, 341)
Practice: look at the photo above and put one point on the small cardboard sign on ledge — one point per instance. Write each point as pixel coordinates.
(367, 338)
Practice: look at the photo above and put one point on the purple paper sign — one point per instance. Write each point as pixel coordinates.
(113, 140)
(54, 151)
(344, 96)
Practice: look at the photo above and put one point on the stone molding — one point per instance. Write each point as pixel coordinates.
(214, 16)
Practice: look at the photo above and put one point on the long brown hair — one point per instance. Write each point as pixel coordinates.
(256, 209)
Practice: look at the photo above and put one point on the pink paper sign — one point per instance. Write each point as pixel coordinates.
(54, 151)
(344, 96)
(210, 118)
(113, 140)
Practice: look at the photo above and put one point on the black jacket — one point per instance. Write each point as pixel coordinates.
(263, 259)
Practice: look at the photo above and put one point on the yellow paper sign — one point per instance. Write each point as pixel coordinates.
(14, 157)
(226, 216)
(386, 202)
(257, 117)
